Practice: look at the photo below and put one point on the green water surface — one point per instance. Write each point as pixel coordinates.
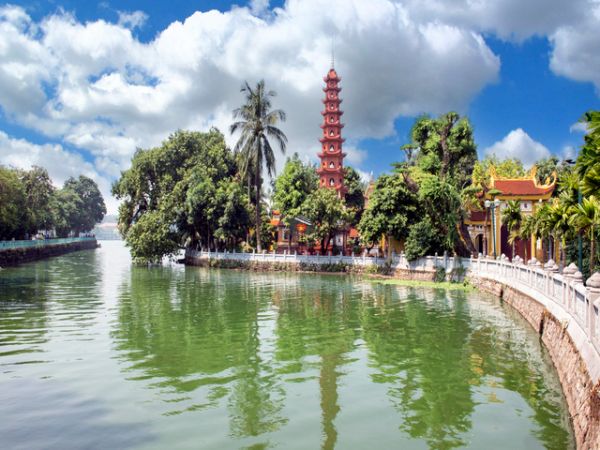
(97, 354)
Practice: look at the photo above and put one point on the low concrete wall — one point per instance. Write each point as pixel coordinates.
(578, 386)
(16, 256)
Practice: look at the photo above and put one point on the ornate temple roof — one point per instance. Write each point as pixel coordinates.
(527, 186)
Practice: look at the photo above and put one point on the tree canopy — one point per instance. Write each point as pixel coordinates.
(31, 203)
(187, 191)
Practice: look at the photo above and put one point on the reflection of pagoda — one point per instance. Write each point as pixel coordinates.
(331, 169)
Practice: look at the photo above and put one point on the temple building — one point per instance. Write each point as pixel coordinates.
(485, 226)
(331, 168)
(330, 172)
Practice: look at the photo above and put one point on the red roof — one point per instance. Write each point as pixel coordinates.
(353, 233)
(521, 187)
(477, 216)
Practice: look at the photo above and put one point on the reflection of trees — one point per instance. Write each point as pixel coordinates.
(201, 329)
(500, 353)
(430, 387)
(434, 354)
(319, 320)
(23, 309)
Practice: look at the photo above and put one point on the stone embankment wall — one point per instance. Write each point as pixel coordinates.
(579, 389)
(16, 256)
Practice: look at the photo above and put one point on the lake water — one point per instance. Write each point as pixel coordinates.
(97, 354)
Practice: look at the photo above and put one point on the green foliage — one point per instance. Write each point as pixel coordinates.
(440, 274)
(295, 183)
(256, 125)
(445, 146)
(91, 204)
(421, 240)
(506, 168)
(30, 204)
(186, 191)
(512, 217)
(13, 205)
(392, 209)
(151, 237)
(38, 195)
(354, 197)
(546, 169)
(587, 219)
(327, 213)
(66, 207)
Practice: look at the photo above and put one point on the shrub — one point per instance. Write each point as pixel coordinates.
(440, 274)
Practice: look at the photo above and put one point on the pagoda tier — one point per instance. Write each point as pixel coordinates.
(331, 169)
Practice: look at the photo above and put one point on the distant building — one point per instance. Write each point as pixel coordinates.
(107, 230)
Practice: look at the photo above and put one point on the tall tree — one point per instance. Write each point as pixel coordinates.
(587, 218)
(256, 125)
(588, 161)
(327, 212)
(392, 209)
(92, 209)
(546, 168)
(355, 194)
(291, 188)
(443, 154)
(38, 192)
(12, 204)
(183, 188)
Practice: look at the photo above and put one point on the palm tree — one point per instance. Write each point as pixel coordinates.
(257, 124)
(537, 225)
(587, 218)
(561, 213)
(588, 161)
(512, 218)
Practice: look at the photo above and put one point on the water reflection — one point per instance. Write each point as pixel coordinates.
(225, 359)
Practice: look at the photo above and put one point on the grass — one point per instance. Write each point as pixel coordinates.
(427, 284)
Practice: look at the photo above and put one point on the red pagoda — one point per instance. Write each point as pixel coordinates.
(331, 169)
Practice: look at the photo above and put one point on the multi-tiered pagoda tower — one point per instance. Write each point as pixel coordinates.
(331, 170)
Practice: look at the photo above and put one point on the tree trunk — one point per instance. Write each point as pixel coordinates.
(465, 246)
(257, 231)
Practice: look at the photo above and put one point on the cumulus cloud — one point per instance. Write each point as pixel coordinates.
(576, 49)
(518, 144)
(94, 85)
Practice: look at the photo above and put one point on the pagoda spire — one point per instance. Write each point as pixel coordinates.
(331, 168)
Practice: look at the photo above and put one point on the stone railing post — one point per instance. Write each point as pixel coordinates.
(550, 268)
(593, 296)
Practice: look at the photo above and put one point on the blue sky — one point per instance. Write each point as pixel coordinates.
(83, 84)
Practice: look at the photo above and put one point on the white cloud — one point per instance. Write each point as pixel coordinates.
(518, 144)
(569, 152)
(96, 86)
(507, 19)
(578, 127)
(259, 7)
(132, 20)
(576, 49)
(60, 163)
